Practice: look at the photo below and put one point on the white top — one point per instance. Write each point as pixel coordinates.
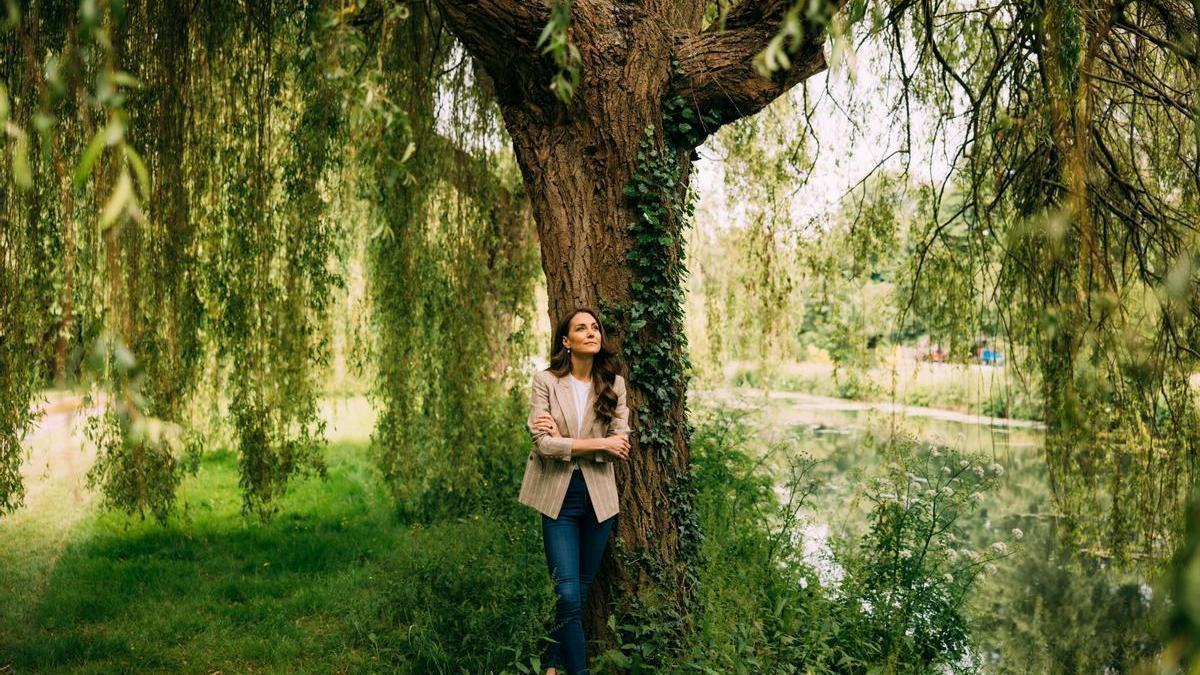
(581, 390)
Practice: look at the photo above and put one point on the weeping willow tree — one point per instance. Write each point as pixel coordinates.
(183, 191)
(173, 228)
(161, 195)
(1068, 226)
(606, 155)
(1077, 182)
(182, 180)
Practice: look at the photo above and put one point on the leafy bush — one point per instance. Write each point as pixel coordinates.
(908, 580)
(894, 600)
(1004, 401)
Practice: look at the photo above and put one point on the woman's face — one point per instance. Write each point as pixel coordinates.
(583, 334)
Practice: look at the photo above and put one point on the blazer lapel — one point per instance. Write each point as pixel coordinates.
(566, 398)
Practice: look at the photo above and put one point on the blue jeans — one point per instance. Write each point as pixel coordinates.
(574, 545)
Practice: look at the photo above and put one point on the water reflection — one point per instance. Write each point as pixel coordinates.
(1041, 609)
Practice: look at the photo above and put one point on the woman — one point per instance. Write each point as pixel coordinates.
(579, 422)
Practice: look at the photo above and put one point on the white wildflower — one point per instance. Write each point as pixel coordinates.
(948, 577)
(970, 555)
(989, 568)
(1017, 533)
(905, 554)
(964, 464)
(946, 491)
(1000, 547)
(951, 555)
(997, 469)
(946, 470)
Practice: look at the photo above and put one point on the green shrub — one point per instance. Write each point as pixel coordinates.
(766, 607)
(907, 582)
(919, 397)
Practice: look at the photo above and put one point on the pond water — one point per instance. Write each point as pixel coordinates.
(1035, 599)
(849, 443)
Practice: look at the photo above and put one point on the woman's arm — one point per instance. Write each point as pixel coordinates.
(619, 425)
(620, 421)
(544, 443)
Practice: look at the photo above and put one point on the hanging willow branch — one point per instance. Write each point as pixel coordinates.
(172, 242)
(217, 243)
(1078, 180)
(452, 270)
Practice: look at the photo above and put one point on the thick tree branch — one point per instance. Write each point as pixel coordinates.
(494, 31)
(716, 66)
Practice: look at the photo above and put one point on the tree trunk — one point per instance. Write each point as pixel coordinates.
(576, 173)
(576, 162)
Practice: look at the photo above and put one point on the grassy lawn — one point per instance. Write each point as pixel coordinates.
(334, 583)
(339, 582)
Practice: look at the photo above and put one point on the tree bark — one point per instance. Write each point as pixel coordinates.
(576, 161)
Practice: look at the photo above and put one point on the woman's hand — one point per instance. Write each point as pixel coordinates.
(545, 422)
(617, 446)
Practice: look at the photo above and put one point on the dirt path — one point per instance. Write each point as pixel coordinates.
(56, 499)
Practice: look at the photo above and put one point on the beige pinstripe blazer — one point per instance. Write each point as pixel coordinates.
(548, 471)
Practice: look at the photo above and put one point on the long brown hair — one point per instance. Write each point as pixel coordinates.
(604, 363)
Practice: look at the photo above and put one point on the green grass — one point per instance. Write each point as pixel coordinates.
(338, 581)
(334, 583)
